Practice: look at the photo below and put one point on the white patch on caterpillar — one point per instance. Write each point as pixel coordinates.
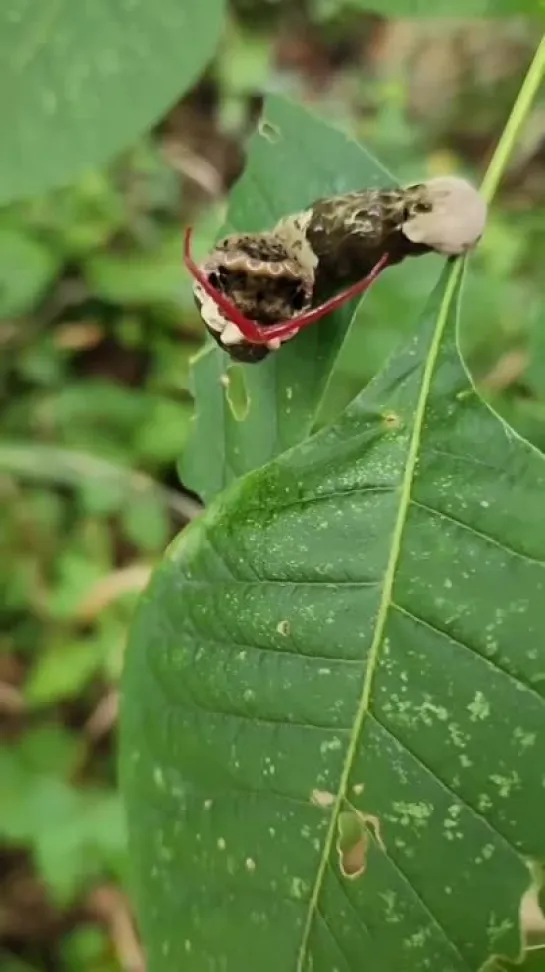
(214, 318)
(209, 310)
(231, 335)
(456, 221)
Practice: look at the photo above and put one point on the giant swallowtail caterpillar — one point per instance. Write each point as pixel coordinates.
(257, 290)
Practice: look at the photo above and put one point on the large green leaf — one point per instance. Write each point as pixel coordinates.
(355, 629)
(293, 159)
(535, 961)
(81, 79)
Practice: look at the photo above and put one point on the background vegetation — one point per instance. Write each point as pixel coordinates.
(97, 330)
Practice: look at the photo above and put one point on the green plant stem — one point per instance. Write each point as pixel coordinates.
(516, 120)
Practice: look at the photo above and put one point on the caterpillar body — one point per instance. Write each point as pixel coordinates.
(257, 290)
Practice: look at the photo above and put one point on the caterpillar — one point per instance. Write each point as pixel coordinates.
(257, 290)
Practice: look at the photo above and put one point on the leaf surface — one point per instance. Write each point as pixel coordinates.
(534, 961)
(293, 160)
(358, 626)
(80, 81)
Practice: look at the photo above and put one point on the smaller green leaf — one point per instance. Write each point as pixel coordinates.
(293, 159)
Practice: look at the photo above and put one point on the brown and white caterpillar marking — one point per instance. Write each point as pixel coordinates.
(257, 290)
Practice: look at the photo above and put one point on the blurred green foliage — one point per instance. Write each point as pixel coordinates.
(97, 328)
(85, 80)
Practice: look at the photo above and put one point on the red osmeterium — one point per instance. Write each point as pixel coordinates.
(258, 334)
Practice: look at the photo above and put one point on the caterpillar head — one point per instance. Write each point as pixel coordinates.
(263, 279)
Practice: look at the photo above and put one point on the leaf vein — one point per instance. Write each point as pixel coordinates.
(274, 581)
(478, 533)
(346, 897)
(464, 459)
(450, 790)
(302, 802)
(519, 682)
(191, 703)
(268, 649)
(426, 909)
(387, 589)
(302, 502)
(334, 939)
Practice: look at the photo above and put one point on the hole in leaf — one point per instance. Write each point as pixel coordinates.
(236, 392)
(353, 841)
(269, 131)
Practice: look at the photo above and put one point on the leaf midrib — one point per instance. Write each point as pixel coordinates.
(385, 601)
